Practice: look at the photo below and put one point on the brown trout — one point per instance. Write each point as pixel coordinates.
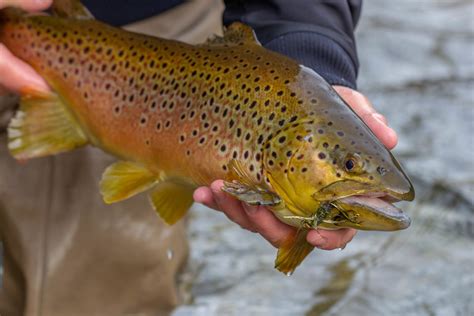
(180, 116)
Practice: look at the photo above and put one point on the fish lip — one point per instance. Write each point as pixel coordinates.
(385, 196)
(388, 195)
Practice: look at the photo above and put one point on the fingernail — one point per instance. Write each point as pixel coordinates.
(317, 240)
(379, 117)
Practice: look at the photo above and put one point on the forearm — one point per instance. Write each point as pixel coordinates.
(319, 34)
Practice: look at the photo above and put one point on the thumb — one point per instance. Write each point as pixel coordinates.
(375, 121)
(28, 5)
(17, 75)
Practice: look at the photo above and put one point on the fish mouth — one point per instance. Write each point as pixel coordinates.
(367, 211)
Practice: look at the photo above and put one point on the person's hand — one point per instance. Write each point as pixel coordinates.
(261, 220)
(376, 121)
(15, 74)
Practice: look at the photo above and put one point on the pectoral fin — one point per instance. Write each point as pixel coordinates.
(292, 252)
(244, 188)
(171, 199)
(124, 179)
(43, 126)
(249, 195)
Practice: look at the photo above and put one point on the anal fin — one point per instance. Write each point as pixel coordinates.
(171, 199)
(124, 179)
(292, 252)
(43, 126)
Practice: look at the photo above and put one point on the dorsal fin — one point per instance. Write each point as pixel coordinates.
(235, 34)
(71, 9)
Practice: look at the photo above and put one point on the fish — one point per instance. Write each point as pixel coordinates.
(178, 116)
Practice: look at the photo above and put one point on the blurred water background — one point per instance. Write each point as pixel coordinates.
(417, 67)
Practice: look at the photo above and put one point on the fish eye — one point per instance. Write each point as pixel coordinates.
(354, 164)
(350, 164)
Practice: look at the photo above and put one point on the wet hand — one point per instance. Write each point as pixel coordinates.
(260, 220)
(15, 74)
(376, 121)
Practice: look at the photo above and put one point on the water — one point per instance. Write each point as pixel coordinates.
(169, 254)
(418, 69)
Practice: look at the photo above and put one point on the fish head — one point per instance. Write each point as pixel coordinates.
(334, 162)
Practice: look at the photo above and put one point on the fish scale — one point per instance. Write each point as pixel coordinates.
(180, 116)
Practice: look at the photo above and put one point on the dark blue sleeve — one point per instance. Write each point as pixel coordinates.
(318, 33)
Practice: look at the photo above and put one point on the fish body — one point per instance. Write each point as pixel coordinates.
(180, 116)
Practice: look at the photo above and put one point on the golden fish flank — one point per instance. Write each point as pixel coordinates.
(180, 116)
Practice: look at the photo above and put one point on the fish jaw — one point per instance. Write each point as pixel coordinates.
(365, 213)
(361, 206)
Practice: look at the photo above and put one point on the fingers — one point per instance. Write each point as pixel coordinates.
(330, 239)
(254, 218)
(261, 220)
(267, 225)
(215, 198)
(375, 121)
(28, 5)
(204, 196)
(17, 75)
